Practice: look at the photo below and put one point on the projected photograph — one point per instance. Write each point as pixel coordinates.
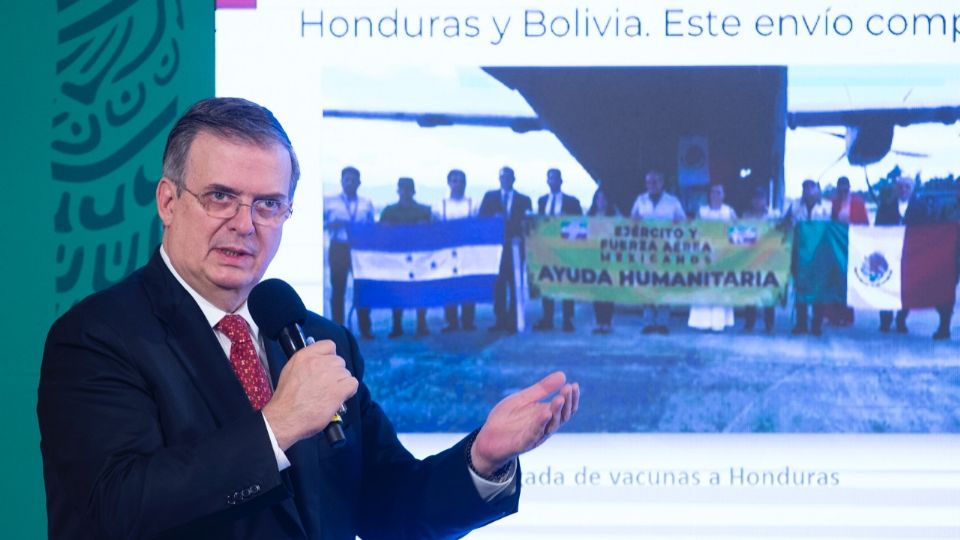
(705, 249)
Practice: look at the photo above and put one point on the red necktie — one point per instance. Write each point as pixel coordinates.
(245, 361)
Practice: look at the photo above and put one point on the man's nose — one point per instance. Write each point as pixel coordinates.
(242, 222)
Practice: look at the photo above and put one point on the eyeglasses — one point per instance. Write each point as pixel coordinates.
(223, 205)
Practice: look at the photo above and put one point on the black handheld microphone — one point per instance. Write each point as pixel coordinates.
(278, 311)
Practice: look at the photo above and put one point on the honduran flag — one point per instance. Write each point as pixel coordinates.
(424, 265)
(882, 268)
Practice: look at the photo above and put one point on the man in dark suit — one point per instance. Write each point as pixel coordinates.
(898, 206)
(164, 413)
(901, 205)
(512, 206)
(557, 203)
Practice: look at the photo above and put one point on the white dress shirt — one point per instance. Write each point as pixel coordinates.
(506, 197)
(339, 211)
(821, 211)
(454, 209)
(668, 208)
(213, 314)
(554, 205)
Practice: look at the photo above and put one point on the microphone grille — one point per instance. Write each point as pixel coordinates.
(273, 305)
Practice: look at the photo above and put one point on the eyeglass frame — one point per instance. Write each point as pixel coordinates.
(281, 216)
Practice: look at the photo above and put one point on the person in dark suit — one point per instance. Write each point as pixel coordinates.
(512, 206)
(407, 211)
(164, 413)
(557, 203)
(901, 205)
(898, 206)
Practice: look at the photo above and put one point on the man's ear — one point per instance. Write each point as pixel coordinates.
(166, 200)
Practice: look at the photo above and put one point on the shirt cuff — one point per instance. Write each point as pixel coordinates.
(490, 491)
(282, 461)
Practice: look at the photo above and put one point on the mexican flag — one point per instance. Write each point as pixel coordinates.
(882, 268)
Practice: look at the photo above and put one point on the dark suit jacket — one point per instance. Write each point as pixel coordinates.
(888, 213)
(569, 205)
(492, 205)
(146, 432)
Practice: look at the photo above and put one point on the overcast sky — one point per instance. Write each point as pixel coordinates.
(386, 150)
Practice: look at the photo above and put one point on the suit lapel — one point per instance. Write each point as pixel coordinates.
(193, 344)
(198, 352)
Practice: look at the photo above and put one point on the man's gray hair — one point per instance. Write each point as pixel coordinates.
(229, 118)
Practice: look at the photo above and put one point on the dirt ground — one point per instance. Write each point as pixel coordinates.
(850, 380)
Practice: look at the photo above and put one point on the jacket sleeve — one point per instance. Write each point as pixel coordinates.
(488, 206)
(577, 209)
(403, 497)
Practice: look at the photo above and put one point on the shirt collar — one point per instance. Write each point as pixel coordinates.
(212, 313)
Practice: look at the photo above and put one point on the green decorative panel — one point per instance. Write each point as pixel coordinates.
(90, 89)
(125, 71)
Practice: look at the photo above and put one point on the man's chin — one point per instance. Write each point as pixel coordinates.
(234, 279)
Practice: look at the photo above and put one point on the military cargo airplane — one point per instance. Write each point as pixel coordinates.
(693, 123)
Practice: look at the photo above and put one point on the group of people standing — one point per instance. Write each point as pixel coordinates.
(899, 204)
(653, 204)
(348, 207)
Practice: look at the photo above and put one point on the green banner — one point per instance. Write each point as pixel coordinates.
(821, 262)
(659, 262)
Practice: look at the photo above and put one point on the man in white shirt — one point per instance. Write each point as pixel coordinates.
(809, 207)
(457, 206)
(339, 211)
(655, 203)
